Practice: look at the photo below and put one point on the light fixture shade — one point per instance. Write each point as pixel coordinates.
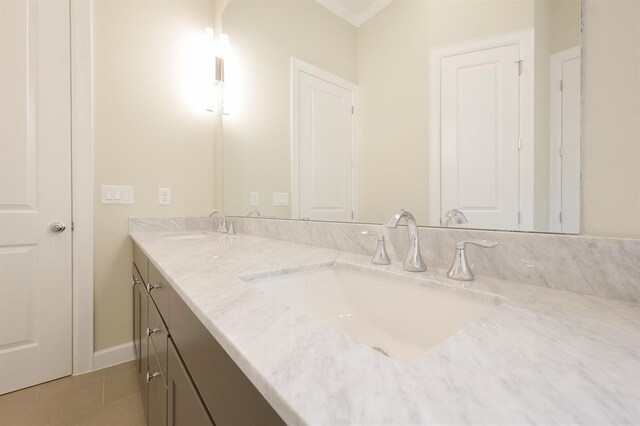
(220, 70)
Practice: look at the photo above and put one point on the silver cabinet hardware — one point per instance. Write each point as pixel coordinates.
(380, 257)
(154, 287)
(413, 261)
(135, 281)
(151, 376)
(151, 331)
(460, 269)
(58, 227)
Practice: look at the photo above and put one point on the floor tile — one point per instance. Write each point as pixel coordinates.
(106, 397)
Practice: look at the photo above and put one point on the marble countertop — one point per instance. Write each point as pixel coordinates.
(542, 357)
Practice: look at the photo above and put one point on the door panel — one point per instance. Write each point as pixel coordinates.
(326, 150)
(479, 136)
(35, 190)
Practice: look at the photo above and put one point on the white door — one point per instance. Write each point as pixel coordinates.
(35, 191)
(326, 150)
(565, 141)
(479, 136)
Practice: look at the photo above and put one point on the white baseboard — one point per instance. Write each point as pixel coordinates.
(114, 355)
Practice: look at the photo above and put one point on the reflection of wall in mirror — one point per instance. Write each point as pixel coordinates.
(388, 57)
(265, 35)
(393, 65)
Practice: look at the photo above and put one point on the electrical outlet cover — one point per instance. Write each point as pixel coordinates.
(164, 196)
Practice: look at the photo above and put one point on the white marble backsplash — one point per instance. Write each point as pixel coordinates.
(170, 224)
(597, 266)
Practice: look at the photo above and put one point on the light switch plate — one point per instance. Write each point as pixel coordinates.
(255, 198)
(280, 198)
(115, 194)
(164, 196)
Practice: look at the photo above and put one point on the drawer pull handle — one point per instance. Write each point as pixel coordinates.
(151, 376)
(135, 281)
(151, 331)
(154, 287)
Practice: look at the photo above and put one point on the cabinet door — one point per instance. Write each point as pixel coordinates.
(184, 404)
(158, 336)
(136, 315)
(159, 290)
(157, 391)
(142, 263)
(144, 346)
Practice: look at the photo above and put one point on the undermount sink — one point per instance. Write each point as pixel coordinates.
(401, 317)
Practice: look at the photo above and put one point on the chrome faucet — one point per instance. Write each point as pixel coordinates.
(222, 225)
(460, 269)
(413, 261)
(454, 216)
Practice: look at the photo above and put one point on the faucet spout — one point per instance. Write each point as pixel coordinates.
(413, 262)
(222, 225)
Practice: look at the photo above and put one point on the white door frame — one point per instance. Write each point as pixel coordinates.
(298, 66)
(525, 42)
(82, 183)
(555, 134)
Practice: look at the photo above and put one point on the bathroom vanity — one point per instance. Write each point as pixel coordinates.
(231, 344)
(186, 378)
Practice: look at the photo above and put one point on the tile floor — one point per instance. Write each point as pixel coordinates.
(105, 397)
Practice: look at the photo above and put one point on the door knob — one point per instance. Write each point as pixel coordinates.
(58, 227)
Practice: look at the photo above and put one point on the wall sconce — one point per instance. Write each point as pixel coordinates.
(223, 51)
(217, 57)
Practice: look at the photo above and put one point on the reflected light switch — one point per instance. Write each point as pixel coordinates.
(280, 198)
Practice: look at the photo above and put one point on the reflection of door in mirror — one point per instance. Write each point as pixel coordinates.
(323, 153)
(564, 161)
(482, 116)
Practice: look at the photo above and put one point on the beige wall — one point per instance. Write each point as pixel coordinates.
(611, 118)
(264, 36)
(146, 135)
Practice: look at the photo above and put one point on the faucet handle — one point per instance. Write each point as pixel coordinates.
(380, 257)
(460, 269)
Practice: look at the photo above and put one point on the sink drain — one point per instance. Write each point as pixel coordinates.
(380, 349)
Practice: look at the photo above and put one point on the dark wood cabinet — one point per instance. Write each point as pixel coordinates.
(186, 377)
(137, 282)
(157, 400)
(143, 359)
(185, 407)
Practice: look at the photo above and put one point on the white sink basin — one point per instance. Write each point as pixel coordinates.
(398, 316)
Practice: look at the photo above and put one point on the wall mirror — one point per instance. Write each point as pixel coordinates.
(465, 112)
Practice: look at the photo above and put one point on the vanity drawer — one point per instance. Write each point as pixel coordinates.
(137, 333)
(228, 394)
(144, 344)
(158, 336)
(142, 263)
(159, 290)
(157, 391)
